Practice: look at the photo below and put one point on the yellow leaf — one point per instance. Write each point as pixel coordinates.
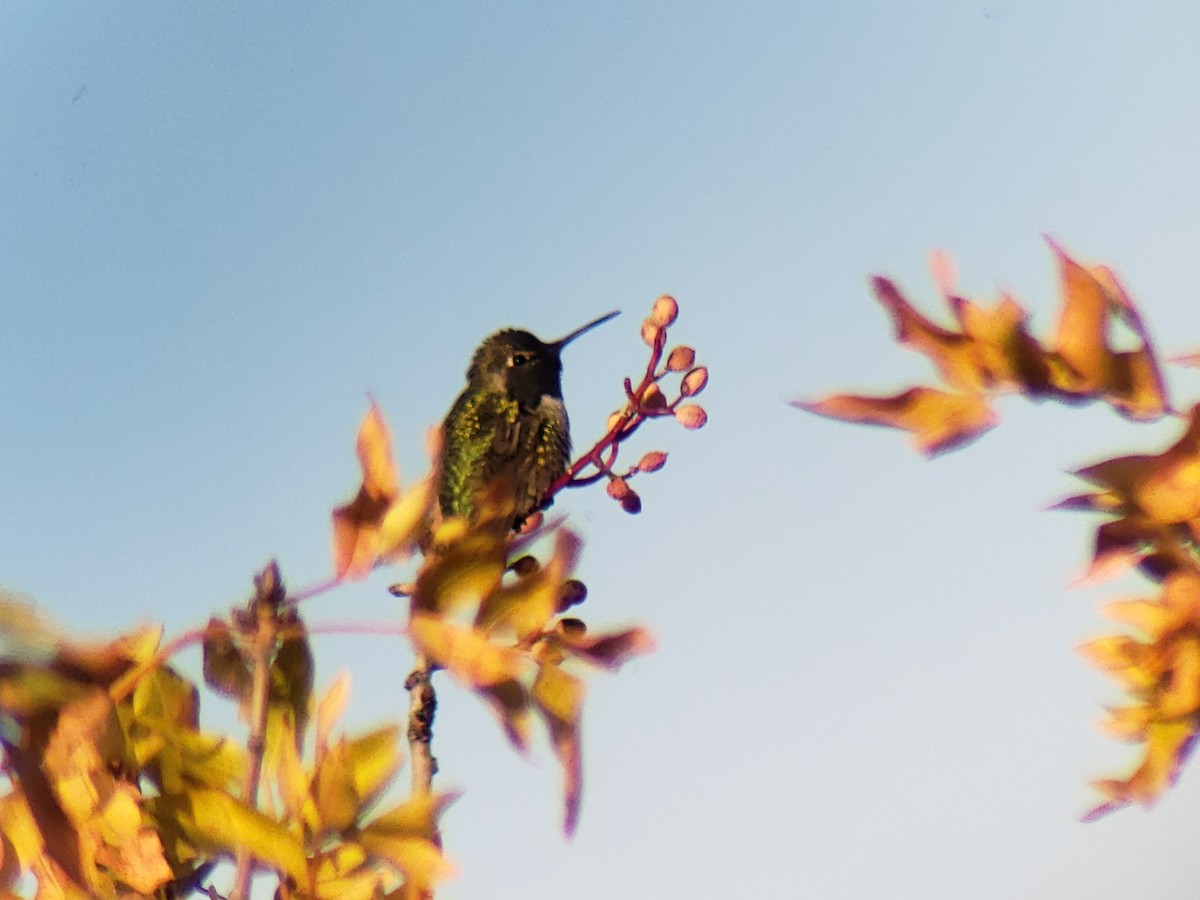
(138, 862)
(463, 572)
(558, 695)
(339, 860)
(375, 456)
(19, 828)
(163, 694)
(365, 885)
(466, 653)
(121, 816)
(374, 758)
(25, 635)
(293, 781)
(336, 799)
(1124, 659)
(331, 707)
(1153, 619)
(404, 521)
(526, 606)
(415, 817)
(420, 860)
(939, 421)
(1180, 695)
(559, 698)
(1167, 740)
(215, 820)
(1128, 723)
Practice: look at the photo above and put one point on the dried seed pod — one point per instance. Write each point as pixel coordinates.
(652, 461)
(572, 593)
(526, 565)
(691, 415)
(665, 310)
(694, 381)
(570, 627)
(681, 359)
(650, 331)
(631, 503)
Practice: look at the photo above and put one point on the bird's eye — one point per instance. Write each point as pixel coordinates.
(519, 359)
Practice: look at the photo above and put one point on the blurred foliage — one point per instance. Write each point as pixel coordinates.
(111, 787)
(1150, 502)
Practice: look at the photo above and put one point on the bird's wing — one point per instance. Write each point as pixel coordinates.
(481, 426)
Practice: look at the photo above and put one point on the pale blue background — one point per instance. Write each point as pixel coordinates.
(221, 224)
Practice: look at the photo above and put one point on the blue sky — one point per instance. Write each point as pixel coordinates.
(223, 224)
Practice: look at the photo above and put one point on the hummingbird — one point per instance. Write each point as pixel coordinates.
(509, 423)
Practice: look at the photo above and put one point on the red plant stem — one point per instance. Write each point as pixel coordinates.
(624, 428)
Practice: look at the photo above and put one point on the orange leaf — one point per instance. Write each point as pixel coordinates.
(1135, 387)
(356, 526)
(1166, 487)
(952, 353)
(465, 652)
(1120, 545)
(939, 421)
(1003, 347)
(1151, 618)
(375, 455)
(1081, 339)
(609, 650)
(1130, 381)
(1168, 745)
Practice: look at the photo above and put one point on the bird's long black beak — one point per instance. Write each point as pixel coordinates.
(562, 342)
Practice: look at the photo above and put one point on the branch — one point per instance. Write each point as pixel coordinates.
(264, 608)
(421, 710)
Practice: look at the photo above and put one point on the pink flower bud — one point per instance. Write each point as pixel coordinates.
(681, 359)
(618, 488)
(691, 416)
(532, 523)
(694, 381)
(665, 310)
(652, 461)
(650, 331)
